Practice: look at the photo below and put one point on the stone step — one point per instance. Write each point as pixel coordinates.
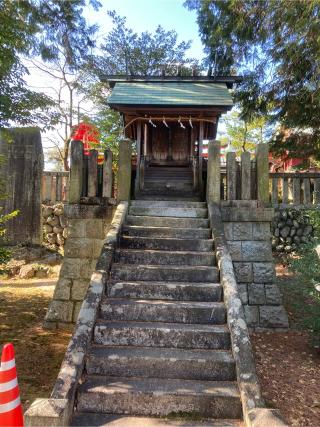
(157, 334)
(169, 212)
(163, 311)
(166, 243)
(158, 397)
(168, 203)
(207, 365)
(85, 419)
(151, 195)
(166, 291)
(180, 233)
(160, 273)
(156, 221)
(142, 257)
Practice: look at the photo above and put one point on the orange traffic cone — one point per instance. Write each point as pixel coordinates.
(10, 405)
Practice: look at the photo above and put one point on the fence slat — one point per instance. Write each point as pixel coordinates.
(92, 173)
(296, 191)
(107, 174)
(274, 194)
(58, 188)
(306, 191)
(285, 191)
(245, 176)
(231, 176)
(317, 191)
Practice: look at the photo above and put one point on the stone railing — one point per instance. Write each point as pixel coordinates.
(295, 189)
(255, 412)
(55, 187)
(88, 180)
(246, 179)
(57, 410)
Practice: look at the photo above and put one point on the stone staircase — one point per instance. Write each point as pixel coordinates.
(171, 181)
(161, 349)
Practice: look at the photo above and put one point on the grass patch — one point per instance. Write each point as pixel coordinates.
(39, 352)
(301, 297)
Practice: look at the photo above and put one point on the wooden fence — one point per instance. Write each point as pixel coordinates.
(55, 187)
(298, 189)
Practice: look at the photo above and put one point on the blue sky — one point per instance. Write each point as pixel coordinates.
(146, 15)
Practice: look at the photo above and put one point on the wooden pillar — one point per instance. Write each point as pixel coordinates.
(200, 147)
(124, 171)
(213, 173)
(76, 171)
(316, 191)
(262, 156)
(245, 176)
(107, 174)
(137, 180)
(231, 176)
(145, 139)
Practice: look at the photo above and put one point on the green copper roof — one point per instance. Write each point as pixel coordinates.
(186, 94)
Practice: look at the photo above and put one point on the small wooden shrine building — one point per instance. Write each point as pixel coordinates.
(169, 118)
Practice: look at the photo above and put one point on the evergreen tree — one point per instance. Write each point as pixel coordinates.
(275, 44)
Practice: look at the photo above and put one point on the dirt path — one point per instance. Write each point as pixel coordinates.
(39, 352)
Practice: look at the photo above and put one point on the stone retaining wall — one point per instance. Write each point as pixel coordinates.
(291, 228)
(87, 227)
(54, 225)
(247, 228)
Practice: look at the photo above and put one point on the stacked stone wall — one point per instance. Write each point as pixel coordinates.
(87, 228)
(248, 233)
(54, 225)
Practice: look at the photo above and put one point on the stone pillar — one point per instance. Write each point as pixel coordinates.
(87, 228)
(245, 176)
(213, 174)
(107, 174)
(21, 174)
(76, 171)
(247, 230)
(124, 171)
(262, 158)
(231, 176)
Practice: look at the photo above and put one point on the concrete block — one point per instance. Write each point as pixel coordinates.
(256, 294)
(60, 310)
(70, 268)
(262, 417)
(62, 289)
(273, 296)
(273, 317)
(261, 231)
(243, 293)
(76, 311)
(252, 315)
(79, 289)
(97, 246)
(263, 272)
(87, 267)
(95, 229)
(76, 228)
(48, 412)
(79, 248)
(256, 251)
(243, 271)
(242, 231)
(228, 230)
(235, 251)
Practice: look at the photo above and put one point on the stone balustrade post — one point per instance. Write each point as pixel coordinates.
(76, 172)
(124, 171)
(262, 159)
(213, 174)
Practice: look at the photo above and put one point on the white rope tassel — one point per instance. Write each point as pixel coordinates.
(164, 122)
(151, 123)
(181, 124)
(190, 123)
